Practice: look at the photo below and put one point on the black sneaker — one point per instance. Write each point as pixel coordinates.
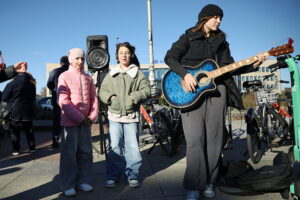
(55, 142)
(32, 151)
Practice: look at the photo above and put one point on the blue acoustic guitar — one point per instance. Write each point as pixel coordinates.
(205, 74)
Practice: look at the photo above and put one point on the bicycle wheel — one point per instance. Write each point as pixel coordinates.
(254, 144)
(277, 127)
(165, 134)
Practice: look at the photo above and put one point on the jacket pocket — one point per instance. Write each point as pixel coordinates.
(128, 103)
(115, 104)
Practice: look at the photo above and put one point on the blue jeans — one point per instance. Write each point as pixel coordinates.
(124, 153)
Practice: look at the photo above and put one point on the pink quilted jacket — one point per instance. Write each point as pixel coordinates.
(76, 97)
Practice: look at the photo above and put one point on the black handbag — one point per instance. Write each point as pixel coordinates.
(5, 110)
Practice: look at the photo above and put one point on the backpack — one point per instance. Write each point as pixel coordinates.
(267, 178)
(228, 182)
(238, 168)
(242, 179)
(276, 177)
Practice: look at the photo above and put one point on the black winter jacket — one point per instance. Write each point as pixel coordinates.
(22, 87)
(192, 48)
(53, 81)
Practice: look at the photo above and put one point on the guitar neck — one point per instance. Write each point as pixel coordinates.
(223, 70)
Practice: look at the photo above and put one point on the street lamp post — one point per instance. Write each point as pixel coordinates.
(151, 58)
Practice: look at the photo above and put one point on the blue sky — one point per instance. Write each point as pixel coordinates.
(41, 31)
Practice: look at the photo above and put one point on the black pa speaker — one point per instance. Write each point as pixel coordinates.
(97, 56)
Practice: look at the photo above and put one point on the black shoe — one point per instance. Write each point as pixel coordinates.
(32, 150)
(55, 142)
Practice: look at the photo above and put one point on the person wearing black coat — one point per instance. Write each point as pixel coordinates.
(11, 71)
(20, 95)
(52, 85)
(204, 124)
(7, 73)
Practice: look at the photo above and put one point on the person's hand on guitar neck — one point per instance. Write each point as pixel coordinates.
(261, 58)
(188, 83)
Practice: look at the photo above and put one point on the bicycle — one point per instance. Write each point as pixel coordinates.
(159, 125)
(264, 123)
(176, 127)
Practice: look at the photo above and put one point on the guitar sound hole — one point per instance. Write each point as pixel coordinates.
(202, 79)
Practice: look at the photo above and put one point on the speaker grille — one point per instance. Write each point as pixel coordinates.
(97, 58)
(97, 52)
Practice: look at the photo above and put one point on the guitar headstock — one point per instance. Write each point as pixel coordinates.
(284, 49)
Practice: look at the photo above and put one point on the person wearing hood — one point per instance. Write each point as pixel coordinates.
(79, 109)
(124, 88)
(20, 95)
(204, 124)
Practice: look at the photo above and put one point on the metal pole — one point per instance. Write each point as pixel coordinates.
(151, 59)
(229, 124)
(102, 138)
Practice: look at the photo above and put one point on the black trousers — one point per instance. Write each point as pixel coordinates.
(16, 127)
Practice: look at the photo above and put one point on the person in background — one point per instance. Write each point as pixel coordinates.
(204, 124)
(20, 95)
(79, 108)
(124, 88)
(9, 72)
(52, 85)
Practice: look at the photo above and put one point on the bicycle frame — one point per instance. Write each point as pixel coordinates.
(281, 110)
(262, 103)
(160, 126)
(146, 116)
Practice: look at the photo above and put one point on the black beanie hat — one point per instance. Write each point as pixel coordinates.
(210, 10)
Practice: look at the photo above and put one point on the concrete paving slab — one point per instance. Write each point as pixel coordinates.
(11, 170)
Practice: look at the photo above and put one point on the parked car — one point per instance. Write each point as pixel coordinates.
(45, 103)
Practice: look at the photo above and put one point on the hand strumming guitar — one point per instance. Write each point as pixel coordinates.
(188, 83)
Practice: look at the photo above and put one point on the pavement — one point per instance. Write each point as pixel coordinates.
(35, 176)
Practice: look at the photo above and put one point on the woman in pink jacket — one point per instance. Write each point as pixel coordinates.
(79, 108)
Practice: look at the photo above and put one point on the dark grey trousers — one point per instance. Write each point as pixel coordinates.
(76, 158)
(203, 130)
